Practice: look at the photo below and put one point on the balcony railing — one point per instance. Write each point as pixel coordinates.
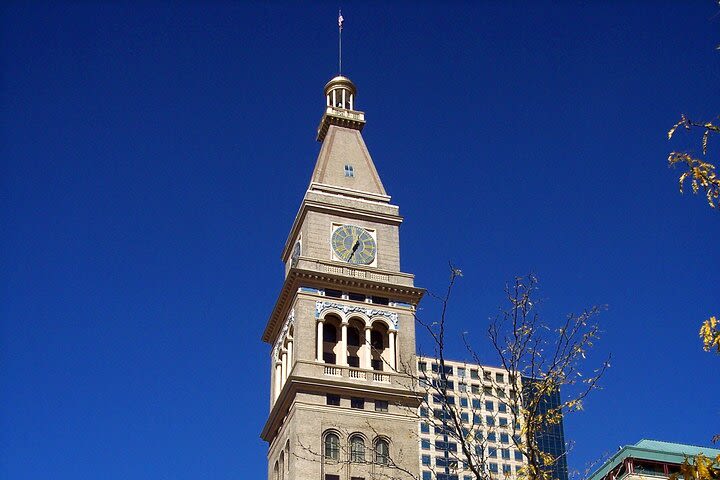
(303, 368)
(349, 114)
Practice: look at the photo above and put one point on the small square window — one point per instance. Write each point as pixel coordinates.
(505, 453)
(333, 399)
(492, 452)
(518, 456)
(356, 402)
(331, 477)
(500, 378)
(463, 402)
(426, 460)
(461, 372)
(493, 467)
(349, 171)
(474, 375)
(422, 366)
(425, 444)
(503, 422)
(424, 428)
(489, 406)
(381, 405)
(502, 408)
(506, 469)
(487, 390)
(491, 437)
(427, 475)
(487, 376)
(504, 438)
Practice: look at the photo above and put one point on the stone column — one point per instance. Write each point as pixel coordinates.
(290, 356)
(342, 358)
(284, 366)
(278, 378)
(391, 341)
(367, 350)
(320, 340)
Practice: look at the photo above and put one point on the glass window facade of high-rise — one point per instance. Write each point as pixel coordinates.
(551, 439)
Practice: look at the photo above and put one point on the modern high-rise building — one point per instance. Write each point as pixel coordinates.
(346, 399)
(551, 438)
(481, 396)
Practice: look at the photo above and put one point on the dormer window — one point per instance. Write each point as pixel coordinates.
(349, 172)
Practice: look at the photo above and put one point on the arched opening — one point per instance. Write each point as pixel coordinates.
(382, 451)
(276, 471)
(331, 330)
(282, 465)
(357, 449)
(331, 446)
(287, 456)
(379, 343)
(355, 339)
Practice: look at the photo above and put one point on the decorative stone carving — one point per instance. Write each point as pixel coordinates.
(320, 307)
(283, 333)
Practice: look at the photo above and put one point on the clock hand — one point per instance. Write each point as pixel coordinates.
(354, 249)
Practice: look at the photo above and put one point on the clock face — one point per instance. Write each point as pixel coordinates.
(353, 245)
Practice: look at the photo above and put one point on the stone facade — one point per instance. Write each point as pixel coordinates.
(342, 333)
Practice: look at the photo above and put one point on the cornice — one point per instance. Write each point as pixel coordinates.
(297, 276)
(297, 384)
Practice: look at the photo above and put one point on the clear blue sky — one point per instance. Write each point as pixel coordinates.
(153, 156)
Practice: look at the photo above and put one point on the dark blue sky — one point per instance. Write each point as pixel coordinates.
(153, 157)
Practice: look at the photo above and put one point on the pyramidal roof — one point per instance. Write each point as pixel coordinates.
(344, 166)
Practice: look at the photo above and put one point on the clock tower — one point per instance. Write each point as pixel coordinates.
(342, 332)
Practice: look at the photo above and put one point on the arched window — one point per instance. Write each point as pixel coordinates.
(329, 333)
(282, 465)
(332, 446)
(357, 449)
(287, 456)
(353, 337)
(382, 452)
(276, 472)
(376, 340)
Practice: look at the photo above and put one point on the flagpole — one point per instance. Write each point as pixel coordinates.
(340, 28)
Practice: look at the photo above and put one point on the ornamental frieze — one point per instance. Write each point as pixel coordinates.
(321, 307)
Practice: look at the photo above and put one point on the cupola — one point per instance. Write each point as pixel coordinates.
(340, 94)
